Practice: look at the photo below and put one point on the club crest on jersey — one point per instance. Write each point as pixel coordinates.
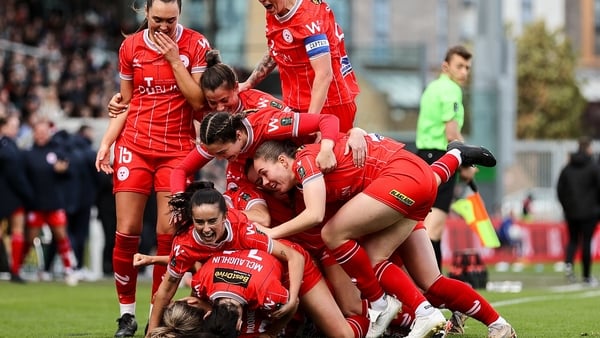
(185, 60)
(317, 2)
(301, 172)
(287, 36)
(402, 198)
(230, 276)
(245, 196)
(286, 121)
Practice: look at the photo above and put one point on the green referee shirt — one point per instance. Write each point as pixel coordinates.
(441, 102)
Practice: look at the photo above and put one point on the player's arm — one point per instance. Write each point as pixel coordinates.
(329, 126)
(314, 194)
(259, 213)
(163, 296)
(357, 143)
(140, 259)
(188, 84)
(295, 263)
(115, 126)
(260, 72)
(321, 65)
(193, 162)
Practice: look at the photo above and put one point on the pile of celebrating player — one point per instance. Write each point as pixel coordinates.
(320, 224)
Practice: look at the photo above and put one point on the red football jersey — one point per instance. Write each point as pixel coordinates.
(249, 99)
(243, 195)
(265, 124)
(346, 180)
(252, 277)
(189, 248)
(256, 99)
(160, 119)
(306, 32)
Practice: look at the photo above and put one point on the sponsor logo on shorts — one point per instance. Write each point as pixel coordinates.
(230, 276)
(402, 198)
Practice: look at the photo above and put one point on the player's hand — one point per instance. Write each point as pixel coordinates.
(285, 309)
(326, 160)
(357, 143)
(115, 107)
(141, 260)
(103, 160)
(167, 47)
(244, 86)
(177, 205)
(264, 229)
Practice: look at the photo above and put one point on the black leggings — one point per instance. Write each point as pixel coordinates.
(581, 230)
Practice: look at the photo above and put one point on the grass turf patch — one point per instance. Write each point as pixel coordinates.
(546, 307)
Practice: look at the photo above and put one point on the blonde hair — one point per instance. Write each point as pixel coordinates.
(180, 320)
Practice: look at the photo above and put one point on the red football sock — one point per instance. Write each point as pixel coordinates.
(459, 296)
(17, 245)
(355, 261)
(359, 325)
(445, 166)
(125, 273)
(405, 318)
(66, 253)
(163, 248)
(395, 281)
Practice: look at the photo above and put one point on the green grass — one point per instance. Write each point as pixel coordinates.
(542, 309)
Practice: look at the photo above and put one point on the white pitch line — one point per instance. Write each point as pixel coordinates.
(591, 293)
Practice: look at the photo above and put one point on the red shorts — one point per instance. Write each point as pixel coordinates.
(346, 113)
(137, 171)
(55, 218)
(312, 274)
(406, 184)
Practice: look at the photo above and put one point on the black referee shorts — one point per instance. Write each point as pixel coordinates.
(445, 190)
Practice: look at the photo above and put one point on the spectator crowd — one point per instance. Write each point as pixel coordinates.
(56, 61)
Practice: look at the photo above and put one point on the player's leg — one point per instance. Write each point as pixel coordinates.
(130, 210)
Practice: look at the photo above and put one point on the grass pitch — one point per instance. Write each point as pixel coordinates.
(546, 307)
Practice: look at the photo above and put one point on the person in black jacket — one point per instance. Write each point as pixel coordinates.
(47, 168)
(81, 187)
(578, 191)
(15, 190)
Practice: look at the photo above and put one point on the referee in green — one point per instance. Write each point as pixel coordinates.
(441, 118)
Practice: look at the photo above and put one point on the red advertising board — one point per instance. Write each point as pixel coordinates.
(539, 243)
